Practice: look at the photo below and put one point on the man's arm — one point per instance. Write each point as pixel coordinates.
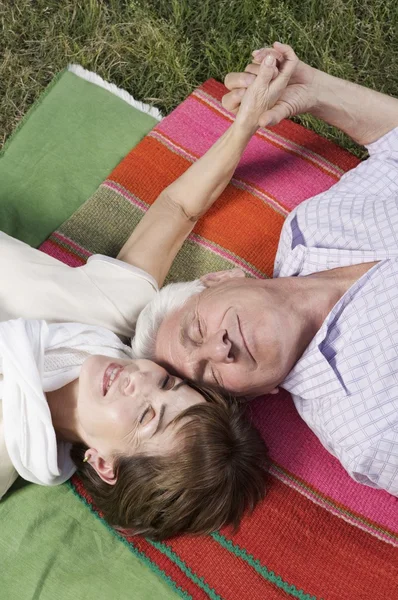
(365, 115)
(161, 232)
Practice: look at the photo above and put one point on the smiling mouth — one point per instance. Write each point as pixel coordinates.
(112, 372)
(243, 339)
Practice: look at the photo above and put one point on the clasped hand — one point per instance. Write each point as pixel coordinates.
(275, 86)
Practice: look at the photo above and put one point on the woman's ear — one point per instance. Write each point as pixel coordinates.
(104, 467)
(217, 277)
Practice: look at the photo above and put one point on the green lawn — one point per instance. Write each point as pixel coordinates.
(159, 50)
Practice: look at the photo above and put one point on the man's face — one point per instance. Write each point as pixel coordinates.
(234, 334)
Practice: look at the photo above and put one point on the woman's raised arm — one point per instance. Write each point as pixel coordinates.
(160, 234)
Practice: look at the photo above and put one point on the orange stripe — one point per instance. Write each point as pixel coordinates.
(241, 180)
(253, 236)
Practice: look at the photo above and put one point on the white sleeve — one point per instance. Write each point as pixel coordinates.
(104, 291)
(127, 288)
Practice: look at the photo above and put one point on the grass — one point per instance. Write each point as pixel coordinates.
(159, 50)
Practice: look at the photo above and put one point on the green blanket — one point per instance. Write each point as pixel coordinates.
(70, 140)
(52, 547)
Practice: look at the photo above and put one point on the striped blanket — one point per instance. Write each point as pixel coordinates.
(317, 535)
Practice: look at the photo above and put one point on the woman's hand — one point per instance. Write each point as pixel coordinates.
(295, 92)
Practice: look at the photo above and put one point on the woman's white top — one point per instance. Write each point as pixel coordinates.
(36, 357)
(105, 291)
(33, 285)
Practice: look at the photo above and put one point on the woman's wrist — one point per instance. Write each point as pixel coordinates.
(244, 128)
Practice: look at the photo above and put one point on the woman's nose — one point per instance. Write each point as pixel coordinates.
(140, 383)
(128, 385)
(218, 348)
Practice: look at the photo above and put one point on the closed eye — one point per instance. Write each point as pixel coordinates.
(147, 415)
(168, 383)
(200, 328)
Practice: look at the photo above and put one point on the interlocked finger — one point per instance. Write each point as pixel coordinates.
(238, 80)
(254, 67)
(232, 100)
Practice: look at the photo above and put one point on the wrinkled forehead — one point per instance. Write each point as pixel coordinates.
(173, 328)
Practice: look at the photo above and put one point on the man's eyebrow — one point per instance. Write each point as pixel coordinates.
(161, 417)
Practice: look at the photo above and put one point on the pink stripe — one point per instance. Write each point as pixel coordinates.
(293, 446)
(271, 135)
(72, 260)
(287, 177)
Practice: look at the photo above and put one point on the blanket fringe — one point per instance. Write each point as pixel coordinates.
(113, 89)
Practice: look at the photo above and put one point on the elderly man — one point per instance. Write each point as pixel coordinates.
(326, 327)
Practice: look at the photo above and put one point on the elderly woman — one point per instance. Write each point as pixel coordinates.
(158, 456)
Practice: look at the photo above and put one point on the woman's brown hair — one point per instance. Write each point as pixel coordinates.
(214, 475)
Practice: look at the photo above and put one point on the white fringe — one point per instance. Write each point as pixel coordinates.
(113, 89)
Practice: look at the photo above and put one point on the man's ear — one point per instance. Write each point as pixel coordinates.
(217, 277)
(104, 467)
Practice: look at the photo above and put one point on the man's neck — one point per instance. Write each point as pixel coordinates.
(311, 298)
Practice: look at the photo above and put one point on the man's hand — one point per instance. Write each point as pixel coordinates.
(298, 96)
(260, 103)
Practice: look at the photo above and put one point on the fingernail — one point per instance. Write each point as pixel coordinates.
(255, 52)
(269, 60)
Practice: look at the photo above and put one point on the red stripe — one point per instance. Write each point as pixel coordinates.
(315, 550)
(230, 576)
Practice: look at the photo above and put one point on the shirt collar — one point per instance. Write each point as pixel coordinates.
(313, 375)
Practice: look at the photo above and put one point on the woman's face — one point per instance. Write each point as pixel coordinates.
(125, 406)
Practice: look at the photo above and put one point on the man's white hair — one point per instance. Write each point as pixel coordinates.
(167, 300)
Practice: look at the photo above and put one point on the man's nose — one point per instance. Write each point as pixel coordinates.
(218, 348)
